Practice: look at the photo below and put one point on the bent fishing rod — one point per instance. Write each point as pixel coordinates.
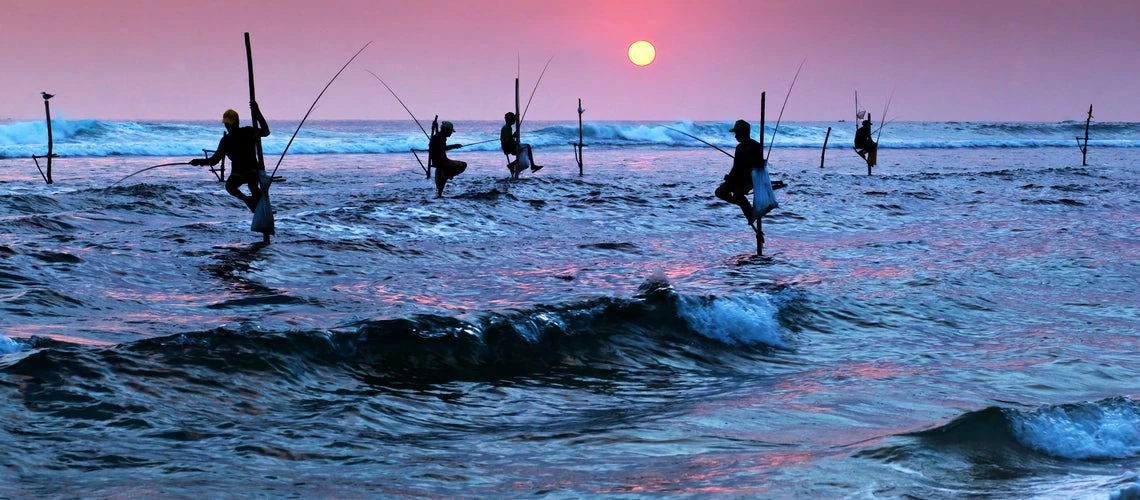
(883, 119)
(148, 168)
(327, 85)
(698, 139)
(401, 101)
(781, 116)
(535, 89)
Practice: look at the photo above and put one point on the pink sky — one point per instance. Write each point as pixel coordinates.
(1031, 60)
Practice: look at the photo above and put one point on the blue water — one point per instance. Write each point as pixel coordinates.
(962, 323)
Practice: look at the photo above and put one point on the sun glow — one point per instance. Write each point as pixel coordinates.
(642, 53)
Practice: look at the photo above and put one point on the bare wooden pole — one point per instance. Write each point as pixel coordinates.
(1084, 146)
(823, 153)
(253, 118)
(47, 112)
(759, 220)
(518, 131)
(50, 154)
(580, 144)
(249, 62)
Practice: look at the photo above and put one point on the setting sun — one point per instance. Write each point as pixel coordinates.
(642, 53)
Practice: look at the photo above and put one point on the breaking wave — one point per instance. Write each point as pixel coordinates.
(140, 138)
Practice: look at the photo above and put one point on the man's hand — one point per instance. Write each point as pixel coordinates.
(198, 162)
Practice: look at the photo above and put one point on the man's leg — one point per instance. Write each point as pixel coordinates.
(738, 197)
(232, 184)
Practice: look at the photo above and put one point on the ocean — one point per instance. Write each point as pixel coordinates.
(961, 323)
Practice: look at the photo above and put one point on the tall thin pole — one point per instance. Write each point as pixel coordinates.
(580, 143)
(1084, 147)
(47, 111)
(253, 99)
(823, 153)
(759, 221)
(518, 131)
(257, 134)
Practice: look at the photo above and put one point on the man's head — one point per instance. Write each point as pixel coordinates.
(447, 128)
(509, 117)
(742, 130)
(867, 123)
(230, 118)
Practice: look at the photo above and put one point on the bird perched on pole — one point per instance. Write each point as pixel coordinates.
(47, 95)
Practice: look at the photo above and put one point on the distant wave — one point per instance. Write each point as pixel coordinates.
(133, 138)
(1105, 429)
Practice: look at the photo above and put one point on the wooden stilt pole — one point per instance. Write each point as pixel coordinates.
(1084, 146)
(823, 153)
(47, 112)
(253, 119)
(578, 147)
(50, 154)
(518, 131)
(759, 222)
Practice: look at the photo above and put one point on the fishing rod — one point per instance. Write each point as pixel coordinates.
(148, 168)
(401, 103)
(706, 143)
(480, 142)
(778, 118)
(327, 85)
(534, 90)
(883, 119)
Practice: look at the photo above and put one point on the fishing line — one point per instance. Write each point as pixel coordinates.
(480, 142)
(534, 90)
(778, 118)
(148, 168)
(327, 85)
(402, 104)
(699, 140)
(883, 119)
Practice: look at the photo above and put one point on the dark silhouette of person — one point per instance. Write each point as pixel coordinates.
(749, 154)
(239, 144)
(445, 168)
(863, 142)
(509, 141)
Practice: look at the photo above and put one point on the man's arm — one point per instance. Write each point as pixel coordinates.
(262, 125)
(219, 153)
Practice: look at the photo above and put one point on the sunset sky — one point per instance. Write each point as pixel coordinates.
(977, 60)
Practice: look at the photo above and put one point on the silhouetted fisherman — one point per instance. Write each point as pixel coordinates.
(240, 145)
(749, 154)
(445, 168)
(863, 143)
(509, 141)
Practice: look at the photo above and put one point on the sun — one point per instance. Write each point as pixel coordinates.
(642, 53)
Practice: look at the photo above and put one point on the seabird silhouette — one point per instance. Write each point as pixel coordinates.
(47, 95)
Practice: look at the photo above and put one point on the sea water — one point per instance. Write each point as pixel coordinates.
(963, 322)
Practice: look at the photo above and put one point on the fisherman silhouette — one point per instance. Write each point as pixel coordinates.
(445, 168)
(240, 145)
(863, 142)
(509, 141)
(738, 182)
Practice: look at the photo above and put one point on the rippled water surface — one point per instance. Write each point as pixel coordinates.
(962, 323)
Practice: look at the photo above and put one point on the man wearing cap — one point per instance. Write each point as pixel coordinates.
(738, 182)
(445, 168)
(509, 141)
(863, 142)
(240, 145)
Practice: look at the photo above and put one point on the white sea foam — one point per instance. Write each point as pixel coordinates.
(1106, 429)
(749, 319)
(133, 138)
(8, 346)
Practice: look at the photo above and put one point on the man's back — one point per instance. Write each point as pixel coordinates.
(507, 140)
